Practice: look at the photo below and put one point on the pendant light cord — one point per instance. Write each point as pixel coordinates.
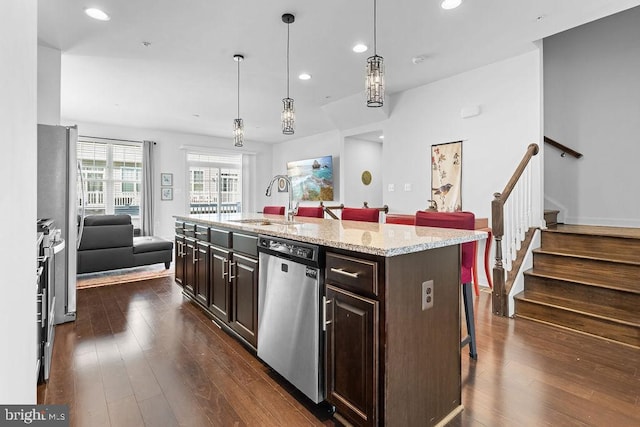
(288, 60)
(375, 8)
(238, 88)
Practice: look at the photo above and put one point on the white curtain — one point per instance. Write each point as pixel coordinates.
(146, 210)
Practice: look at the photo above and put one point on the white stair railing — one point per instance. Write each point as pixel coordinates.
(511, 217)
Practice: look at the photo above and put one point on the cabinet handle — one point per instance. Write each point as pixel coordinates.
(345, 273)
(231, 265)
(194, 258)
(325, 322)
(224, 268)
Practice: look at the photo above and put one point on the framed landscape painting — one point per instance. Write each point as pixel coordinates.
(312, 179)
(446, 176)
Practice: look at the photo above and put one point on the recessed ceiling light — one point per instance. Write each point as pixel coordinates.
(450, 4)
(304, 76)
(381, 137)
(359, 48)
(97, 14)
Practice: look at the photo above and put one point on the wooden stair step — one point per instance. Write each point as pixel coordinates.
(590, 318)
(625, 275)
(609, 294)
(594, 309)
(613, 243)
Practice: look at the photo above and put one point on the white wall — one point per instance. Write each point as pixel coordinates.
(49, 73)
(362, 155)
(170, 158)
(324, 144)
(18, 115)
(592, 94)
(509, 96)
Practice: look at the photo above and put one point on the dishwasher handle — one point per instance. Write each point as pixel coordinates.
(325, 322)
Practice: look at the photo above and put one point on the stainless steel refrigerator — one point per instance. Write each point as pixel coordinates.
(60, 199)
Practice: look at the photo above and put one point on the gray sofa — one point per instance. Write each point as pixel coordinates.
(108, 243)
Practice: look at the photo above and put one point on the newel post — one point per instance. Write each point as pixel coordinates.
(499, 298)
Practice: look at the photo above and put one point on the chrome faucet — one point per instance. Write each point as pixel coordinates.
(290, 211)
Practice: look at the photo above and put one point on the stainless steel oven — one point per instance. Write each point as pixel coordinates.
(290, 336)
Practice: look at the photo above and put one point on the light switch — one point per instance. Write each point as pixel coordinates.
(407, 186)
(391, 187)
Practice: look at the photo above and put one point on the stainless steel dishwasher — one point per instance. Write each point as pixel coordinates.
(290, 293)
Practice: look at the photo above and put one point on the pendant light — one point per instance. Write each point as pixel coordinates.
(288, 113)
(375, 71)
(238, 126)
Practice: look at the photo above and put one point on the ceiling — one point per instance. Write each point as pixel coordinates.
(185, 80)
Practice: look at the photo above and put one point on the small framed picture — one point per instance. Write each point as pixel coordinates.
(166, 194)
(166, 179)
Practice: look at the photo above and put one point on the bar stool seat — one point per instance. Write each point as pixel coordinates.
(273, 210)
(361, 214)
(460, 221)
(311, 211)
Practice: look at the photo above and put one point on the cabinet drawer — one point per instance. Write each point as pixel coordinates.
(245, 243)
(202, 233)
(354, 273)
(220, 237)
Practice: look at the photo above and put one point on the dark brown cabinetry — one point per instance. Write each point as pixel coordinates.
(190, 259)
(201, 285)
(219, 295)
(218, 269)
(352, 338)
(179, 252)
(244, 297)
(391, 360)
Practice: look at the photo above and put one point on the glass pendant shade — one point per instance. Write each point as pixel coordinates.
(238, 132)
(375, 81)
(288, 116)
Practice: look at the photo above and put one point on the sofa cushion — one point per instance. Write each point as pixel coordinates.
(92, 220)
(106, 236)
(144, 244)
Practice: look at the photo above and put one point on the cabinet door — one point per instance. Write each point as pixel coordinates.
(352, 355)
(202, 274)
(244, 297)
(219, 283)
(179, 260)
(190, 266)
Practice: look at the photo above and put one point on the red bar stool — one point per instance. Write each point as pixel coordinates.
(461, 221)
(311, 211)
(361, 214)
(273, 210)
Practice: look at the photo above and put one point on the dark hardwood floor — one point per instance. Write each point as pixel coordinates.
(140, 354)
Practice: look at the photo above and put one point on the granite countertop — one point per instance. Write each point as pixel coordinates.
(371, 238)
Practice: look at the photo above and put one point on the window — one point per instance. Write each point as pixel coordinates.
(112, 176)
(215, 183)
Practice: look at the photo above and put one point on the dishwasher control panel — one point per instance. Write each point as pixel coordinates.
(289, 248)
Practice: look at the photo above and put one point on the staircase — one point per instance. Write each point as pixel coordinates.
(586, 279)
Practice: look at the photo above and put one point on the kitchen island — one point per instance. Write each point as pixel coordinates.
(391, 306)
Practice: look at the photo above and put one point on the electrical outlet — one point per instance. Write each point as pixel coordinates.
(427, 294)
